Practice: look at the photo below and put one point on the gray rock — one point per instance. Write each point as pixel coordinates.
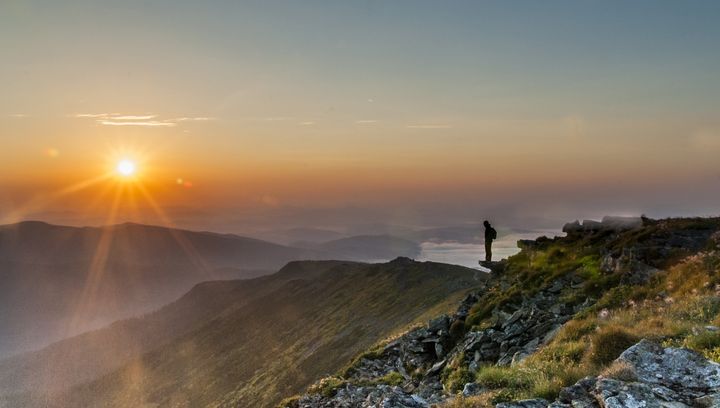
(673, 368)
(618, 394)
(439, 350)
(436, 367)
(529, 403)
(440, 323)
(666, 378)
(471, 389)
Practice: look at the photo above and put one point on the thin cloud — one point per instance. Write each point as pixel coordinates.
(150, 123)
(18, 115)
(132, 117)
(93, 115)
(365, 121)
(308, 123)
(149, 120)
(429, 126)
(192, 119)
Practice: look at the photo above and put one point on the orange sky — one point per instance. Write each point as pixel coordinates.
(388, 113)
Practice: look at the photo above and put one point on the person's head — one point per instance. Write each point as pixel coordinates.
(486, 223)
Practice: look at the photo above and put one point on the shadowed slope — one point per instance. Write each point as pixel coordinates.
(54, 285)
(254, 352)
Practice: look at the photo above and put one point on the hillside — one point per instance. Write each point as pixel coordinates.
(616, 314)
(59, 281)
(87, 356)
(260, 339)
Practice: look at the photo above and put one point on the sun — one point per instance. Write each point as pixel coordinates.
(126, 167)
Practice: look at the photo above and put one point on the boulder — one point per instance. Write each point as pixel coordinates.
(441, 323)
(665, 378)
(529, 403)
(673, 368)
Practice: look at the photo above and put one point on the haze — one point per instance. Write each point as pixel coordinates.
(255, 115)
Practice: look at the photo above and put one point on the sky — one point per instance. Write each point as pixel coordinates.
(251, 115)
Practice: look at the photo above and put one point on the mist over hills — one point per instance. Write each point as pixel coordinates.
(238, 343)
(59, 281)
(371, 247)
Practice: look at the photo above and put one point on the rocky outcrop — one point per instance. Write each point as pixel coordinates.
(661, 377)
(608, 223)
(420, 355)
(352, 396)
(430, 365)
(530, 403)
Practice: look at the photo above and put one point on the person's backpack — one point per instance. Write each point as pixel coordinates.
(493, 233)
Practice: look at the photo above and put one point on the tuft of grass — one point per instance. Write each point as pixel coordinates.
(576, 329)
(457, 329)
(327, 387)
(391, 378)
(565, 352)
(290, 402)
(496, 377)
(608, 343)
(456, 374)
(707, 343)
(374, 353)
(620, 370)
(484, 400)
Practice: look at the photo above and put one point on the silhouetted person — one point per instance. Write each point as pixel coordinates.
(490, 235)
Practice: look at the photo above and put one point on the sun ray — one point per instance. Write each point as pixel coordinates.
(181, 239)
(40, 202)
(97, 267)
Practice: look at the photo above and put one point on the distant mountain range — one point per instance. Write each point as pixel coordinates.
(238, 343)
(59, 281)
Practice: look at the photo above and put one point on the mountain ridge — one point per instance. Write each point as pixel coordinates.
(61, 280)
(523, 342)
(315, 314)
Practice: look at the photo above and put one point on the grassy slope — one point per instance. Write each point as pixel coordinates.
(674, 306)
(87, 356)
(280, 342)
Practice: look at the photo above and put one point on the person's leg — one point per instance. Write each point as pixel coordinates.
(488, 251)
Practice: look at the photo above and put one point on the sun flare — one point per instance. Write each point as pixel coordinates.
(126, 167)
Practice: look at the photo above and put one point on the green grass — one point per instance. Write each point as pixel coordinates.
(327, 386)
(609, 343)
(456, 374)
(392, 378)
(673, 306)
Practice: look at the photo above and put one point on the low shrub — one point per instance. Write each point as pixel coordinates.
(608, 344)
(496, 377)
(392, 378)
(620, 370)
(575, 329)
(327, 386)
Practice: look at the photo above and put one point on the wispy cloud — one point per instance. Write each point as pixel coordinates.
(18, 115)
(150, 123)
(429, 126)
(308, 123)
(189, 119)
(93, 115)
(133, 117)
(149, 120)
(365, 121)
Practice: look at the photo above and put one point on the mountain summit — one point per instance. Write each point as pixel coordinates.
(564, 321)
